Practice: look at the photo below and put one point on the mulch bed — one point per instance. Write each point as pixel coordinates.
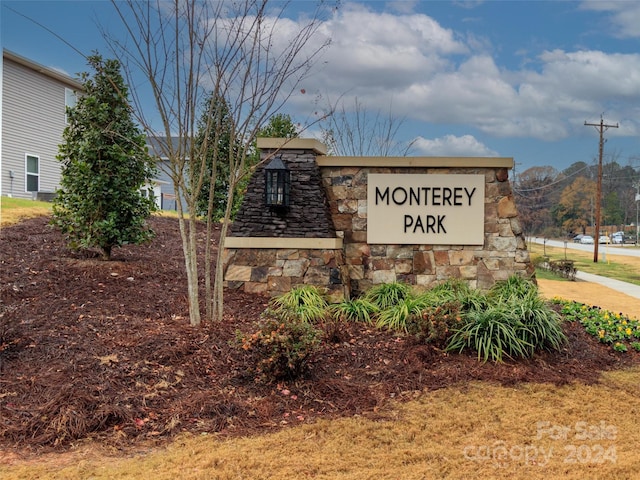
(104, 350)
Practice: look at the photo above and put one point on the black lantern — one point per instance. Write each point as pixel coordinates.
(277, 184)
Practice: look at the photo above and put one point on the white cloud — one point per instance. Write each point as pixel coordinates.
(452, 146)
(433, 74)
(592, 74)
(624, 19)
(383, 51)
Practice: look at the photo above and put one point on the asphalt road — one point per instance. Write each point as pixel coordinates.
(603, 249)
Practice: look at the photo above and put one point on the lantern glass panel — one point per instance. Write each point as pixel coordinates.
(277, 185)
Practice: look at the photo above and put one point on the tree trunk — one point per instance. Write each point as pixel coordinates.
(207, 265)
(189, 248)
(209, 294)
(218, 284)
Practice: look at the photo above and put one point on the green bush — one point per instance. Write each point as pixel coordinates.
(281, 347)
(436, 323)
(104, 167)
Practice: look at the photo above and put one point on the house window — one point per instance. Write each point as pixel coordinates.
(70, 100)
(32, 173)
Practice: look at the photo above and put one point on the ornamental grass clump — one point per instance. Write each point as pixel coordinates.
(456, 290)
(430, 316)
(396, 305)
(542, 326)
(304, 302)
(515, 322)
(493, 333)
(513, 288)
(403, 314)
(307, 304)
(386, 295)
(355, 310)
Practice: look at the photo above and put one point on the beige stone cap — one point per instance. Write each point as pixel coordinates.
(292, 144)
(435, 162)
(284, 242)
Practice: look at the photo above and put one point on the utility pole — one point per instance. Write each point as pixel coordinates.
(601, 127)
(636, 185)
(515, 176)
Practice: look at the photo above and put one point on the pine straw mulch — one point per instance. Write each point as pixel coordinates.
(104, 350)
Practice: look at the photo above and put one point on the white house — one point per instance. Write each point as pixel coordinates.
(34, 100)
(33, 103)
(163, 185)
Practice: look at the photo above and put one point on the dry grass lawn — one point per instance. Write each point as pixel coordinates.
(479, 430)
(12, 210)
(532, 431)
(591, 294)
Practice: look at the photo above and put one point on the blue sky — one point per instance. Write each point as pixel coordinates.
(471, 78)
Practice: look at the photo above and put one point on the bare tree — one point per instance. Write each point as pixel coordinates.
(575, 206)
(356, 131)
(536, 194)
(244, 52)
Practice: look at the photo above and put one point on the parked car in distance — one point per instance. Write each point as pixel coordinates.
(586, 239)
(577, 238)
(617, 238)
(604, 239)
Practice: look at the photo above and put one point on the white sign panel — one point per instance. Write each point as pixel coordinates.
(425, 209)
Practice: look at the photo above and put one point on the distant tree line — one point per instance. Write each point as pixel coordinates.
(562, 203)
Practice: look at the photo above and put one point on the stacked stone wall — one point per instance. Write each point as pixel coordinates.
(308, 213)
(330, 202)
(503, 253)
(273, 271)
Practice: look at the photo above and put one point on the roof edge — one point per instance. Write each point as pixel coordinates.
(37, 67)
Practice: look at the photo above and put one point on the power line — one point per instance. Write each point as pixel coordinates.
(48, 30)
(559, 179)
(601, 127)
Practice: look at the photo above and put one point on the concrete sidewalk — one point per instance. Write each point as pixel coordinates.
(622, 287)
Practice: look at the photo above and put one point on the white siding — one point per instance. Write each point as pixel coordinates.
(33, 119)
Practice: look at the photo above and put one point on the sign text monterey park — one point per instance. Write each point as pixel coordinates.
(425, 209)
